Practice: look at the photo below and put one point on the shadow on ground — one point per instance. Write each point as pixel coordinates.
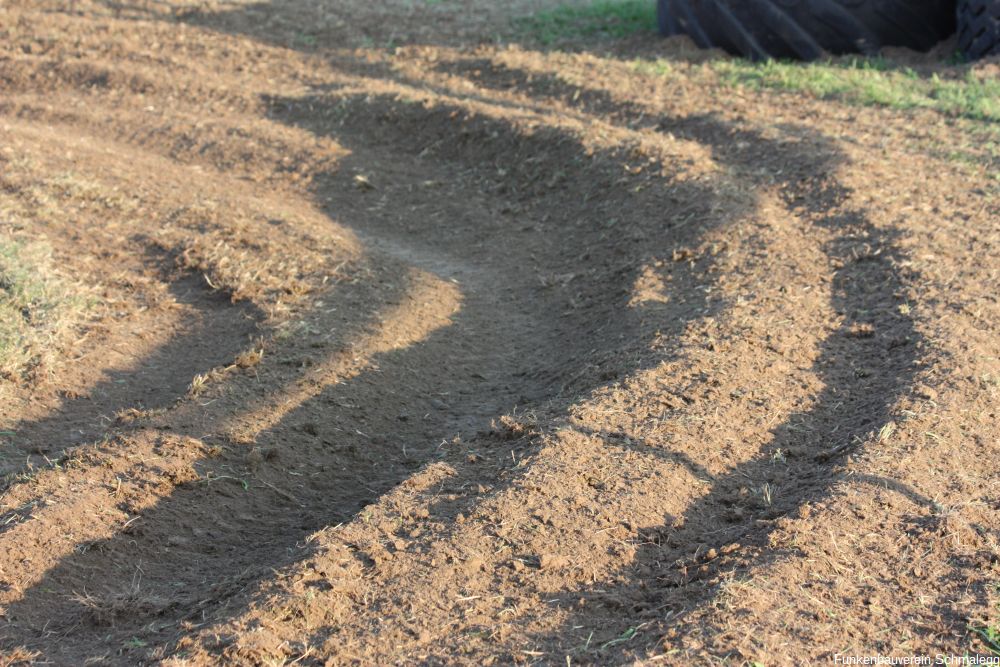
(212, 334)
(516, 340)
(472, 200)
(866, 366)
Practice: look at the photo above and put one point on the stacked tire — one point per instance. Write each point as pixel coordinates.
(808, 29)
(979, 28)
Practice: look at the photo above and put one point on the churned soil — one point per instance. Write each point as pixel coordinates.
(415, 342)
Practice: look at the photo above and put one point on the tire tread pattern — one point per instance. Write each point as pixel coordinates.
(979, 28)
(806, 29)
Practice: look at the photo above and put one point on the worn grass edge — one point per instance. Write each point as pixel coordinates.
(970, 102)
(859, 81)
(872, 82)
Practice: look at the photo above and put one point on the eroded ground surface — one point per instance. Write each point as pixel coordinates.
(408, 343)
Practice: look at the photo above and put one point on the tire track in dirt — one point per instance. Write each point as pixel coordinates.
(858, 292)
(402, 122)
(488, 243)
(549, 249)
(106, 595)
(492, 329)
(505, 252)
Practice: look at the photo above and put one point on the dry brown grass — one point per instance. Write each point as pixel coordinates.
(39, 308)
(18, 656)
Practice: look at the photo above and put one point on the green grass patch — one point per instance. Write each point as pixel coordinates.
(871, 82)
(602, 18)
(36, 307)
(990, 636)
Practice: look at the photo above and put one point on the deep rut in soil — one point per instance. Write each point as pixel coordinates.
(507, 338)
(506, 341)
(496, 349)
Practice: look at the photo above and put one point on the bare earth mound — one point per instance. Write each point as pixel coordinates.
(372, 337)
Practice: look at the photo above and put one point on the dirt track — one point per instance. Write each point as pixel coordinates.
(414, 348)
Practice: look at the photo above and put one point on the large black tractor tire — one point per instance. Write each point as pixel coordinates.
(979, 28)
(807, 29)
